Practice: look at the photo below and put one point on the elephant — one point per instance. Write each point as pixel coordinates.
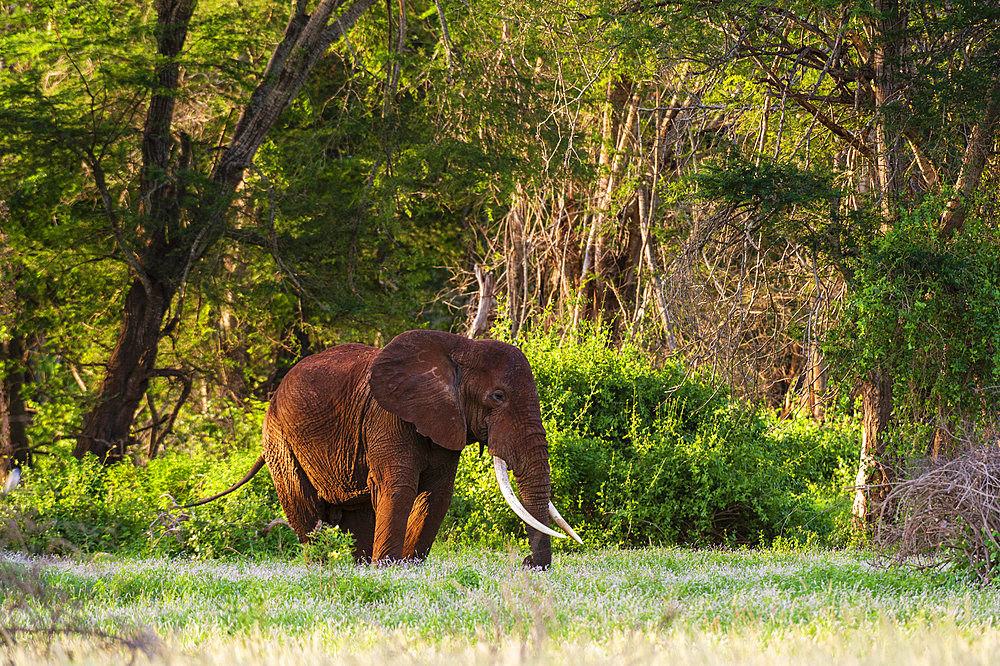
(369, 439)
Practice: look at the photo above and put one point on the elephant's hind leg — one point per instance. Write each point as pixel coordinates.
(302, 504)
(425, 520)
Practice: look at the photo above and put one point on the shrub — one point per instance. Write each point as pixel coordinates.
(925, 309)
(67, 505)
(643, 454)
(64, 505)
(639, 454)
(948, 517)
(328, 545)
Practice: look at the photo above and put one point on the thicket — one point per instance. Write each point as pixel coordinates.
(640, 455)
(643, 455)
(926, 310)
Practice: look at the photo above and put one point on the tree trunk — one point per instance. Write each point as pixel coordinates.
(14, 450)
(177, 241)
(875, 472)
(516, 273)
(106, 429)
(973, 164)
(14, 417)
(233, 356)
(656, 280)
(480, 326)
(159, 266)
(888, 37)
(888, 34)
(585, 287)
(816, 382)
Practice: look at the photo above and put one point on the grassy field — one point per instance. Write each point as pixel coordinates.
(635, 607)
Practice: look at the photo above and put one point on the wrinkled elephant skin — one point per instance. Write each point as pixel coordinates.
(369, 439)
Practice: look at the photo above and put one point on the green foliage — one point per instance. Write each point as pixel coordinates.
(332, 213)
(64, 505)
(239, 523)
(975, 559)
(768, 186)
(361, 589)
(927, 310)
(328, 545)
(642, 454)
(467, 577)
(639, 454)
(786, 203)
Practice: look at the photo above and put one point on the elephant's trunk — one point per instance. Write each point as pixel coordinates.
(500, 467)
(534, 486)
(529, 459)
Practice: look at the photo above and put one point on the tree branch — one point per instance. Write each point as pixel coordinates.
(802, 100)
(172, 21)
(301, 48)
(296, 22)
(927, 168)
(445, 35)
(109, 208)
(973, 164)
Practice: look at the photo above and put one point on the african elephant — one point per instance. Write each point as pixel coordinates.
(369, 439)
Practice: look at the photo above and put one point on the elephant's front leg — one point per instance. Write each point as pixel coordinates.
(392, 500)
(394, 466)
(437, 484)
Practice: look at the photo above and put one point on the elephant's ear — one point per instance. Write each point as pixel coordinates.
(415, 378)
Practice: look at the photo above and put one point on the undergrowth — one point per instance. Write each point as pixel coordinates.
(640, 455)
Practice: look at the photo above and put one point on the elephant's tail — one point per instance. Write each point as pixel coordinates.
(253, 470)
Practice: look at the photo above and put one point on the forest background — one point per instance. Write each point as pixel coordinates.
(751, 248)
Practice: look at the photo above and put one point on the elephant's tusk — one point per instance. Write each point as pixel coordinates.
(561, 522)
(500, 467)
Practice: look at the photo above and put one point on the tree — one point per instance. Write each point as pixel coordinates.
(184, 225)
(877, 79)
(165, 216)
(875, 93)
(14, 448)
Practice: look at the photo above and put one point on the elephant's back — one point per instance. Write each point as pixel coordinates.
(317, 411)
(325, 375)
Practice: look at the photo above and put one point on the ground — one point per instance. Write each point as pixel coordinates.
(470, 606)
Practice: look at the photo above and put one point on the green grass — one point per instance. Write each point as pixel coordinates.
(668, 605)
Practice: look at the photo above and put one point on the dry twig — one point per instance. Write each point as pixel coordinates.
(948, 516)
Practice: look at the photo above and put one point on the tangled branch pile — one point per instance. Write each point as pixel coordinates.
(948, 516)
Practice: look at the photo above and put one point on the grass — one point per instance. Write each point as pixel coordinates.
(470, 606)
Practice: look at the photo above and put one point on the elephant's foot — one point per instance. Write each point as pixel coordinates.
(531, 566)
(409, 561)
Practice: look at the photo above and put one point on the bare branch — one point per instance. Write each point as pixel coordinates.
(973, 164)
(445, 35)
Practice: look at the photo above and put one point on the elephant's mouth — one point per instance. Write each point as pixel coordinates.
(503, 480)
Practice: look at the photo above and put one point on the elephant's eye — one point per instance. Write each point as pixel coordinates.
(498, 397)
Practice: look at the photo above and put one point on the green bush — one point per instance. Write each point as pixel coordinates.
(925, 310)
(328, 545)
(643, 454)
(67, 505)
(64, 505)
(639, 454)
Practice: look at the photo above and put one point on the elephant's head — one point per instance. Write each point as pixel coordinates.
(456, 391)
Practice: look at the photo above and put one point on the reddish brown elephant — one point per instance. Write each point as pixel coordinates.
(369, 440)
